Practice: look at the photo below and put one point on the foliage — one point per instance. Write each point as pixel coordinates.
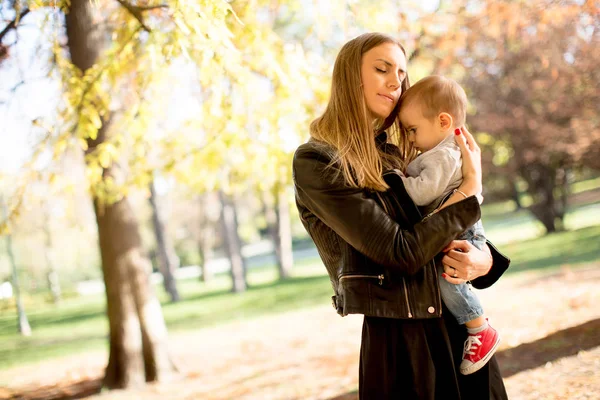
(530, 71)
(237, 135)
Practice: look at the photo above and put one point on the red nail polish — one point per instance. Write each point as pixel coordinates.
(457, 131)
(444, 275)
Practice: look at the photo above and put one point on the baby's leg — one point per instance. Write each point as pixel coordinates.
(462, 303)
(482, 340)
(476, 323)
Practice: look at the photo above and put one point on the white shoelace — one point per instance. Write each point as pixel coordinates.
(471, 343)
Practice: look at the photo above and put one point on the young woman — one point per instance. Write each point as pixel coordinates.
(379, 252)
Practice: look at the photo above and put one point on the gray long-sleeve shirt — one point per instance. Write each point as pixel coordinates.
(434, 174)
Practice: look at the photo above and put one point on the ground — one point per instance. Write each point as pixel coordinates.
(550, 349)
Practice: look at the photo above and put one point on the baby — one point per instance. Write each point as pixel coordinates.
(430, 112)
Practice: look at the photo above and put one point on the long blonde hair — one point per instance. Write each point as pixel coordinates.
(345, 125)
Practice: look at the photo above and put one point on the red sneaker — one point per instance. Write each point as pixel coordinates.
(479, 348)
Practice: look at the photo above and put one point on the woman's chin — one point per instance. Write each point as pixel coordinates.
(381, 116)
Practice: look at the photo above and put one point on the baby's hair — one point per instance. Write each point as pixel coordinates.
(438, 94)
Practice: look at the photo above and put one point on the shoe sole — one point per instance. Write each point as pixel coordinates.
(479, 364)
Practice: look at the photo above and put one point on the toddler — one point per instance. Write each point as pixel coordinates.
(430, 112)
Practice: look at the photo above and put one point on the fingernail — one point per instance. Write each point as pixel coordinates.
(457, 131)
(444, 275)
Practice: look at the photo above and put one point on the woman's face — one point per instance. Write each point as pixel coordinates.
(382, 71)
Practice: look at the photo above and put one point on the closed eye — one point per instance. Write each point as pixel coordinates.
(381, 70)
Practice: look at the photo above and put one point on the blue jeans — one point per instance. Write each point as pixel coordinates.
(460, 299)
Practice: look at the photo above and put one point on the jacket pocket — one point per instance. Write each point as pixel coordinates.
(379, 277)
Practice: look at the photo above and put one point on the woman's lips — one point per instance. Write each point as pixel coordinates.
(388, 98)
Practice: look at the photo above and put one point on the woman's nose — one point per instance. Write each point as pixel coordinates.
(394, 82)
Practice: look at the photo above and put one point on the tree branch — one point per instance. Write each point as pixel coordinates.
(13, 24)
(146, 8)
(136, 11)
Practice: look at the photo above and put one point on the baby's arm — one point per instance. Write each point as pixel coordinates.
(457, 196)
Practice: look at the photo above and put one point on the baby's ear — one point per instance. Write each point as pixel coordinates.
(445, 121)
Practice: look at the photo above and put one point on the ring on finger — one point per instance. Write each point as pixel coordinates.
(455, 274)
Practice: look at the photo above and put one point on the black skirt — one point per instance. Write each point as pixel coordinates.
(419, 359)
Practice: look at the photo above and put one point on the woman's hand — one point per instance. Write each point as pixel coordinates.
(471, 162)
(464, 262)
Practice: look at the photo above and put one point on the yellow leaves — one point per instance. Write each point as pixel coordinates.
(107, 192)
(4, 229)
(502, 153)
(93, 173)
(255, 92)
(54, 4)
(83, 144)
(94, 116)
(182, 26)
(86, 129)
(59, 148)
(104, 159)
(484, 139)
(205, 23)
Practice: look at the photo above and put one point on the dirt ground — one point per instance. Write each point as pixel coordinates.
(550, 349)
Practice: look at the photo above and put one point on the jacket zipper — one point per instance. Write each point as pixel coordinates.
(437, 209)
(380, 277)
(406, 297)
(403, 281)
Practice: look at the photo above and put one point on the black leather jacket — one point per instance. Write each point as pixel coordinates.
(381, 255)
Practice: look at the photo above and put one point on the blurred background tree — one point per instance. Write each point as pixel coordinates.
(528, 68)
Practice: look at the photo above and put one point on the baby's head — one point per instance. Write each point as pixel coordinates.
(431, 109)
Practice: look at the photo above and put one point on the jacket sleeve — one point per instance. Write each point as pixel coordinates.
(499, 266)
(363, 224)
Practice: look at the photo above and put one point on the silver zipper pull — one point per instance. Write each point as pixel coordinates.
(380, 279)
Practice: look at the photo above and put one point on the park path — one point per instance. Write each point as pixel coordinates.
(550, 349)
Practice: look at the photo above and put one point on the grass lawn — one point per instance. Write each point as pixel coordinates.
(504, 225)
(79, 324)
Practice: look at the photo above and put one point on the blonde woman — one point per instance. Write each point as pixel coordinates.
(380, 253)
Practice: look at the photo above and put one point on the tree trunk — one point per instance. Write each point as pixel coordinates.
(284, 233)
(138, 335)
(233, 244)
(541, 180)
(164, 251)
(280, 229)
(564, 191)
(206, 238)
(205, 249)
(516, 196)
(51, 274)
(22, 321)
